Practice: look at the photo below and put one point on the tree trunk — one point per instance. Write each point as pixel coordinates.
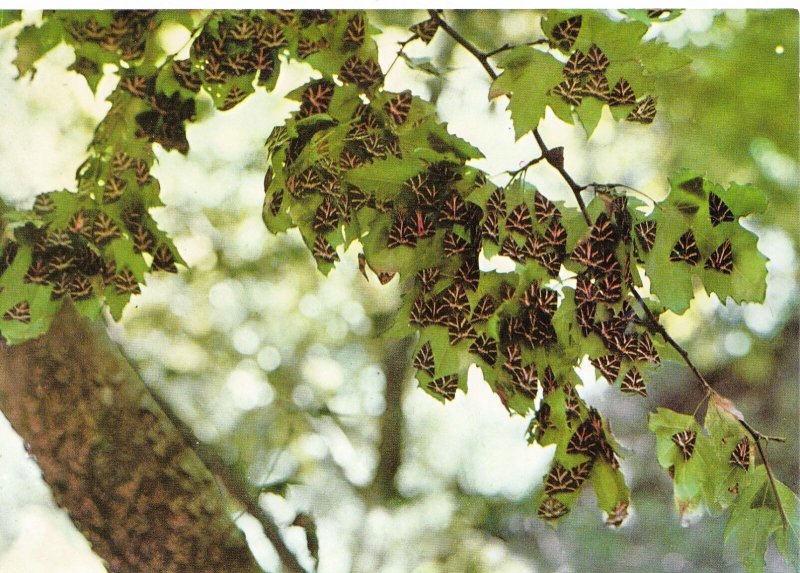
(129, 481)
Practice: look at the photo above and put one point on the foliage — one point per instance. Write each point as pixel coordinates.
(358, 163)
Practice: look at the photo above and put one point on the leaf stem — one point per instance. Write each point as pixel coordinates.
(402, 45)
(507, 47)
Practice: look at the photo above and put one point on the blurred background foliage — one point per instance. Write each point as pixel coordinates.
(284, 372)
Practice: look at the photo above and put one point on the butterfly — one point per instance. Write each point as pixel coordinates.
(608, 365)
(644, 112)
(423, 360)
(565, 33)
(486, 348)
(740, 456)
(426, 29)
(551, 509)
(721, 259)
(685, 249)
(685, 441)
(399, 106)
(570, 91)
(646, 231)
(633, 383)
(596, 60)
(583, 441)
(617, 515)
(718, 211)
(20, 311)
(622, 94)
(355, 32)
(445, 386)
(577, 65)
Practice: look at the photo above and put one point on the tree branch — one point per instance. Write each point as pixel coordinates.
(469, 46)
(111, 457)
(396, 361)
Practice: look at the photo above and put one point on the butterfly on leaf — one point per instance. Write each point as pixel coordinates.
(633, 383)
(570, 91)
(644, 111)
(423, 360)
(740, 456)
(577, 65)
(721, 259)
(685, 441)
(646, 231)
(622, 94)
(444, 386)
(20, 312)
(426, 29)
(398, 107)
(596, 60)
(617, 516)
(552, 509)
(685, 249)
(718, 211)
(565, 33)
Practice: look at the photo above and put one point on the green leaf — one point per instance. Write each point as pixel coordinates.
(8, 17)
(788, 540)
(664, 423)
(754, 519)
(609, 486)
(425, 65)
(640, 15)
(527, 76)
(33, 43)
(385, 178)
(589, 113)
(687, 208)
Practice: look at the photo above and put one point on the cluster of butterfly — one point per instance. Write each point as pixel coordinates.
(686, 250)
(370, 137)
(500, 324)
(740, 455)
(125, 35)
(75, 260)
(589, 441)
(585, 76)
(163, 122)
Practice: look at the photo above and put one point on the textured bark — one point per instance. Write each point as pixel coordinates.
(129, 481)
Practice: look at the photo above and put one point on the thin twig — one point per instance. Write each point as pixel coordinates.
(762, 452)
(402, 45)
(507, 47)
(525, 167)
(556, 159)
